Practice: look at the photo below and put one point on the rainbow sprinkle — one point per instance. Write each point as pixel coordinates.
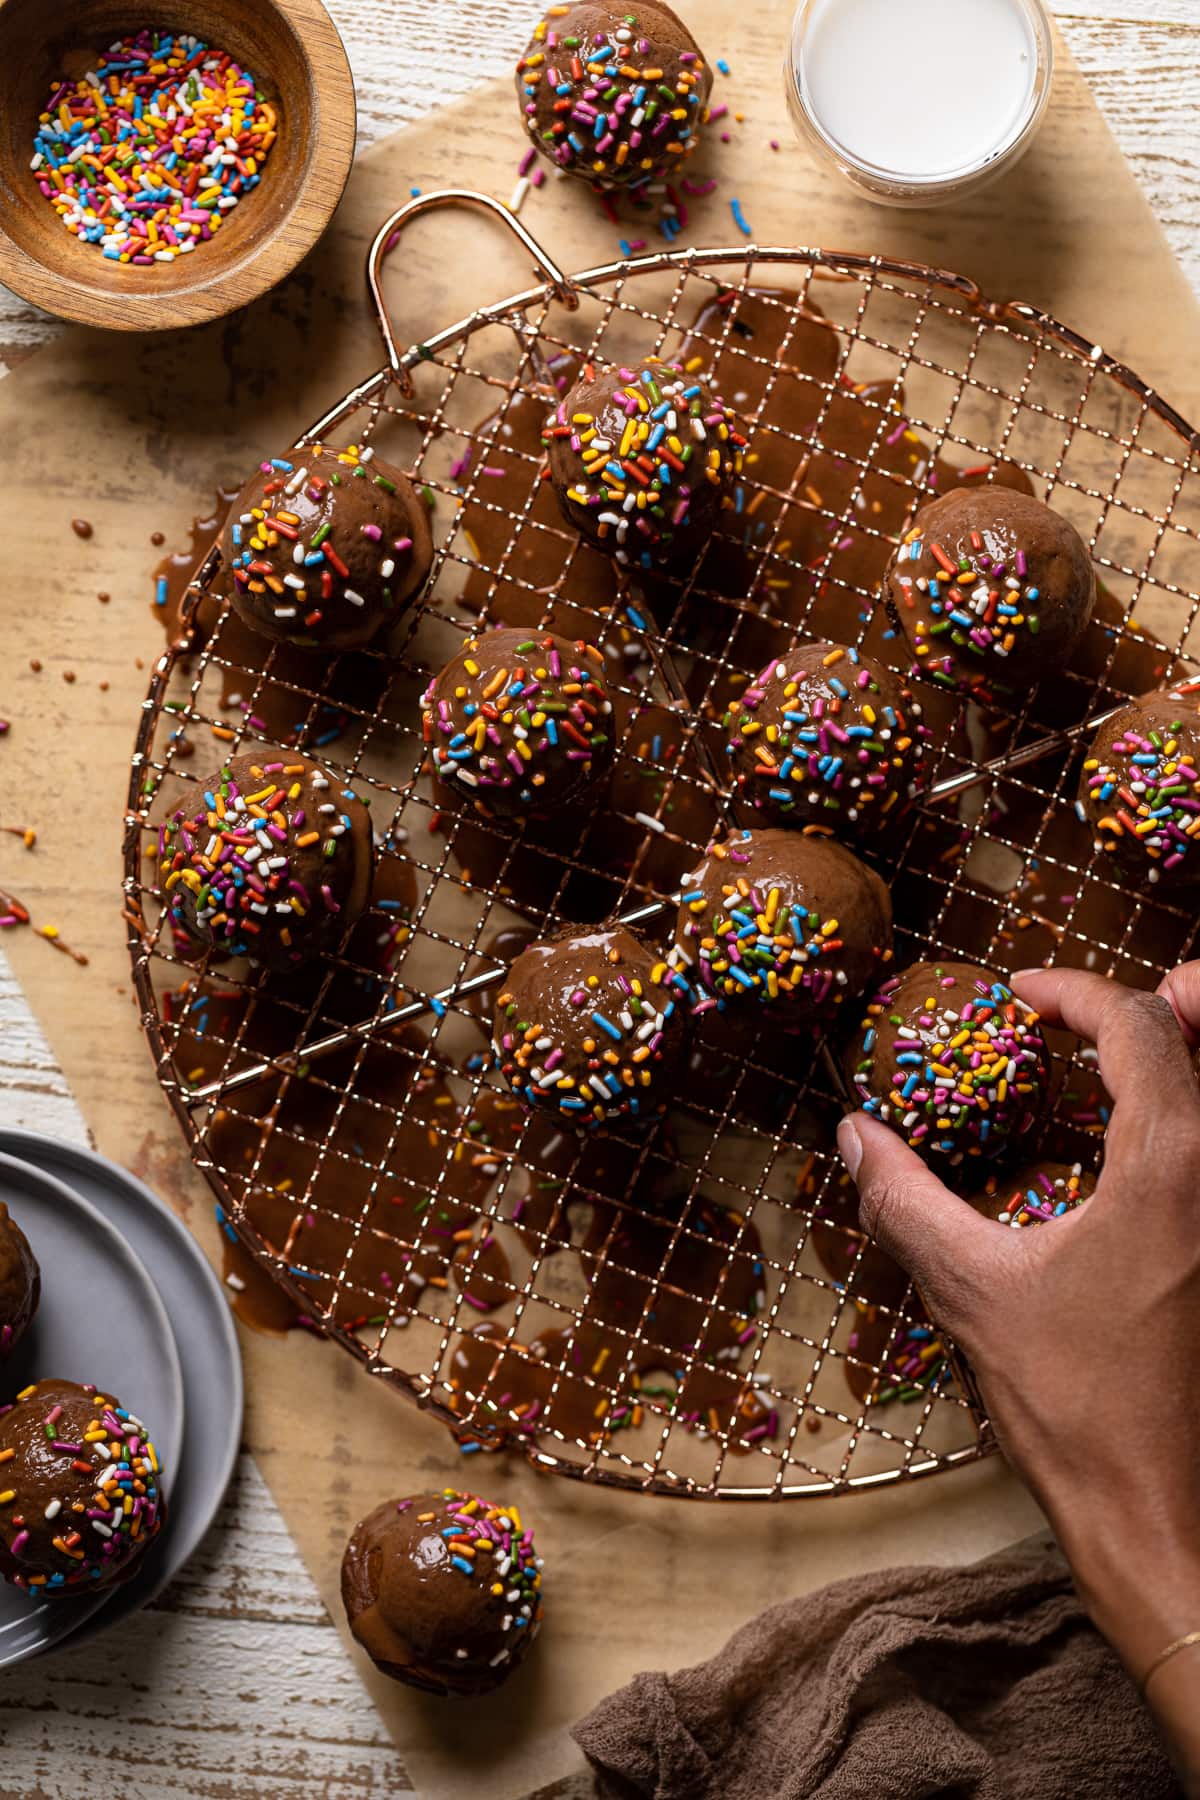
(144, 155)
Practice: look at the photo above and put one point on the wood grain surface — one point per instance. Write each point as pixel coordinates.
(235, 1683)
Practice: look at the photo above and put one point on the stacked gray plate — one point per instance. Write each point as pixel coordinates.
(128, 1302)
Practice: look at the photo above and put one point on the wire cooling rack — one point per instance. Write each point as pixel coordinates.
(690, 1312)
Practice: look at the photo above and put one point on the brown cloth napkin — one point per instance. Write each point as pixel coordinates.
(985, 1683)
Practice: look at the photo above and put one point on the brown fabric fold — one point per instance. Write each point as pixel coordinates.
(983, 1683)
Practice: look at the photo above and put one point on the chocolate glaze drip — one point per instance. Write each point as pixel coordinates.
(850, 1257)
(259, 679)
(368, 1218)
(482, 1270)
(364, 1210)
(362, 979)
(670, 1308)
(892, 1355)
(175, 571)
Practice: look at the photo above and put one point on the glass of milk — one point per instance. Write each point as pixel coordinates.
(919, 101)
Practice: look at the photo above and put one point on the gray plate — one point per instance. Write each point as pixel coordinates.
(101, 1319)
(208, 1350)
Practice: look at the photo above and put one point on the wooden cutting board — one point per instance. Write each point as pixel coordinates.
(133, 434)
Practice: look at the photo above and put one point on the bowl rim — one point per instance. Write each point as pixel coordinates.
(226, 290)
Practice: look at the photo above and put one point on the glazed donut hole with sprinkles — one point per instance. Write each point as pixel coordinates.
(616, 95)
(992, 589)
(1139, 788)
(271, 860)
(20, 1284)
(643, 458)
(590, 1027)
(825, 739)
(324, 548)
(443, 1591)
(950, 1058)
(80, 1489)
(520, 723)
(782, 921)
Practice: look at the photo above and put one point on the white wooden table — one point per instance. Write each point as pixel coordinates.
(235, 1682)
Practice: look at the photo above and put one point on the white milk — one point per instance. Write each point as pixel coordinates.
(919, 88)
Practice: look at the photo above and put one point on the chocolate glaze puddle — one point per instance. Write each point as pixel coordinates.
(668, 1316)
(483, 1272)
(363, 1209)
(890, 1356)
(174, 572)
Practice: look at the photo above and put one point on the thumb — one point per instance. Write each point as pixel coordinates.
(1181, 987)
(943, 1243)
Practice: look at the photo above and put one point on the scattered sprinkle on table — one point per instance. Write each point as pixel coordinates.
(12, 913)
(145, 154)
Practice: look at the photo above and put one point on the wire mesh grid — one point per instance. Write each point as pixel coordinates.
(690, 1311)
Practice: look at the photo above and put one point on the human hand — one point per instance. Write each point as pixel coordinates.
(1085, 1336)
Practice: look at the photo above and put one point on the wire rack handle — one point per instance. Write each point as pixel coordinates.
(390, 232)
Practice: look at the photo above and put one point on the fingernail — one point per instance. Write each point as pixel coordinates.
(849, 1146)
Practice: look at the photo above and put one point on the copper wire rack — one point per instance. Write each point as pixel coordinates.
(691, 1311)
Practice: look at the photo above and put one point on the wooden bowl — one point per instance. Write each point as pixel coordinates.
(292, 49)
